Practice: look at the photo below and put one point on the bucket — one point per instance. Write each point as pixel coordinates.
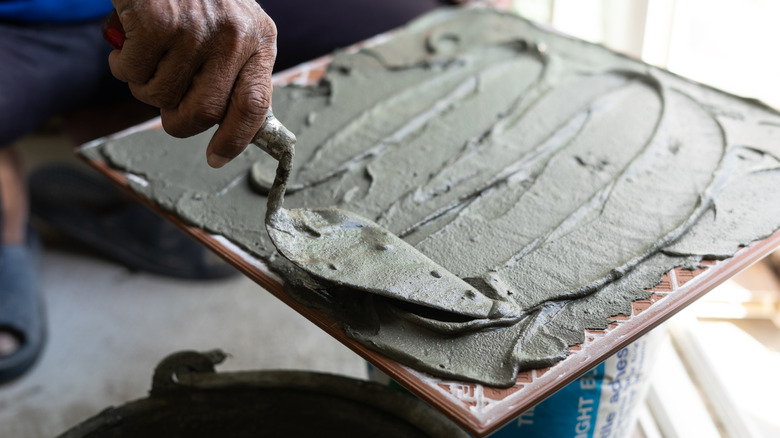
(189, 399)
(603, 403)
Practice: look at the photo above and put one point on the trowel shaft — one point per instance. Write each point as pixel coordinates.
(273, 137)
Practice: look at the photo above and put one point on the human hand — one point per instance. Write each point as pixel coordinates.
(202, 62)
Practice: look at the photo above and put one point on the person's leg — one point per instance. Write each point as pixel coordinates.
(13, 201)
(22, 321)
(55, 70)
(13, 223)
(48, 70)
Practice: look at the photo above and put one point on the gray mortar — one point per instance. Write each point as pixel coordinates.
(567, 180)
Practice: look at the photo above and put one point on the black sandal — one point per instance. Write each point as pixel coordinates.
(87, 208)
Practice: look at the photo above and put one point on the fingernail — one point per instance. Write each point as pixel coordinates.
(217, 161)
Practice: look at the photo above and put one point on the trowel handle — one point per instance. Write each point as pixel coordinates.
(113, 32)
(273, 137)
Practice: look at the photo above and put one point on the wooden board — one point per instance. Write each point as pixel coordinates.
(479, 409)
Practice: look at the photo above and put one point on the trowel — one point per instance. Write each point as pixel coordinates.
(349, 250)
(346, 249)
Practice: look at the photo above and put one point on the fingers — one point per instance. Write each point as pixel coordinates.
(249, 103)
(171, 80)
(159, 58)
(205, 102)
(208, 97)
(145, 44)
(202, 62)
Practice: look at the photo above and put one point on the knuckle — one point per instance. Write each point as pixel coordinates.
(235, 26)
(158, 19)
(135, 73)
(253, 26)
(163, 97)
(205, 115)
(268, 29)
(267, 40)
(253, 101)
(130, 19)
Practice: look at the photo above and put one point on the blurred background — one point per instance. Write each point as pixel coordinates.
(728, 44)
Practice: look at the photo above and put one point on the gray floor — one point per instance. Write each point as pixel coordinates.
(108, 328)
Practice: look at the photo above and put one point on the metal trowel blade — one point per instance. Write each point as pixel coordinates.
(347, 249)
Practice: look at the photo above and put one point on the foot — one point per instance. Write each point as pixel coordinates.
(21, 321)
(9, 344)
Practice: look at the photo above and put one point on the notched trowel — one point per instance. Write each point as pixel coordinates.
(346, 249)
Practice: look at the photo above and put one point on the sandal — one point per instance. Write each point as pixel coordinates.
(87, 208)
(21, 306)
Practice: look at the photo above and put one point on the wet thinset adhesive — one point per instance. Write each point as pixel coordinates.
(542, 171)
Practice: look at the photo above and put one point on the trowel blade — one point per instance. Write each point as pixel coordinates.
(349, 250)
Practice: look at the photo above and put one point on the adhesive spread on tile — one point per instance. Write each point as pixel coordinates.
(537, 168)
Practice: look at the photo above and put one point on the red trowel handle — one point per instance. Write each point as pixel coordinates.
(113, 32)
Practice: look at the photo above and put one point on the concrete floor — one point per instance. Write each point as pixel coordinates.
(109, 327)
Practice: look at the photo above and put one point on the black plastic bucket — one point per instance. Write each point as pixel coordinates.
(188, 399)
